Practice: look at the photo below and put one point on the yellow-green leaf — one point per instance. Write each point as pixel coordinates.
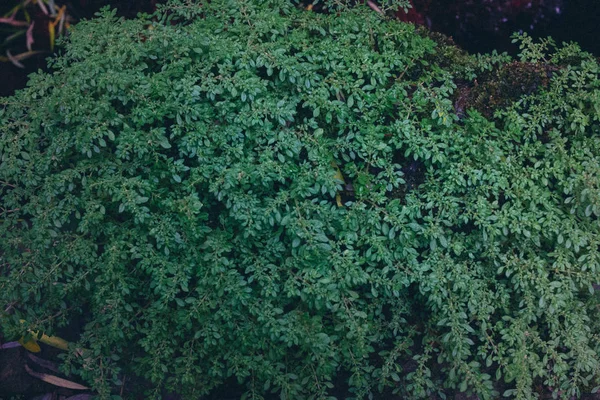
(30, 344)
(54, 341)
(338, 175)
(51, 34)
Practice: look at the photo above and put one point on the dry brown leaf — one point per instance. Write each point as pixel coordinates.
(55, 380)
(29, 36)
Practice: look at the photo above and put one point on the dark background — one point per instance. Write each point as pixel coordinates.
(484, 25)
(475, 25)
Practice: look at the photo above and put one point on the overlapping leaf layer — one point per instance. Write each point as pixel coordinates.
(174, 186)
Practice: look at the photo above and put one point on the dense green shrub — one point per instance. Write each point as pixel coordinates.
(242, 190)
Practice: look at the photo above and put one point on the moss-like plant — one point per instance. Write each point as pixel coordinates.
(244, 191)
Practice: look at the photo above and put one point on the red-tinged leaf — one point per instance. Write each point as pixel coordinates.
(10, 345)
(55, 380)
(42, 6)
(374, 7)
(12, 21)
(29, 36)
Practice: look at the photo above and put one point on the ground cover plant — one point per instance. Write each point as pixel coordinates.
(310, 205)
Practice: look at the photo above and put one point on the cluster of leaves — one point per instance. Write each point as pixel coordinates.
(18, 24)
(245, 190)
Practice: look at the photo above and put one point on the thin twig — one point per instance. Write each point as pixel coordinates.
(122, 386)
(10, 307)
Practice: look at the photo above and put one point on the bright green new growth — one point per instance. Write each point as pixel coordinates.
(174, 190)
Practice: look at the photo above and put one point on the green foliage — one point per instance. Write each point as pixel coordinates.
(172, 187)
